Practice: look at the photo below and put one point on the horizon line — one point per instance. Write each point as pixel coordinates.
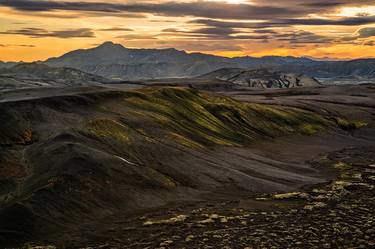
(196, 52)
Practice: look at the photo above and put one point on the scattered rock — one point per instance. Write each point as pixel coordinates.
(189, 238)
(315, 205)
(166, 243)
(177, 219)
(223, 220)
(297, 195)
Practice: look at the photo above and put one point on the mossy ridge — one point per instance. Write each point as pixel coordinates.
(199, 119)
(209, 119)
(184, 115)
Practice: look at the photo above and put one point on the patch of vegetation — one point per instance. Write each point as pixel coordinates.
(185, 141)
(350, 125)
(309, 129)
(107, 128)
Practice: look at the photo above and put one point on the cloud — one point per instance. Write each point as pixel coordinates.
(17, 45)
(264, 31)
(316, 4)
(269, 14)
(366, 32)
(26, 46)
(362, 33)
(303, 37)
(349, 21)
(114, 29)
(257, 9)
(137, 37)
(219, 33)
(39, 33)
(171, 8)
(210, 47)
(369, 43)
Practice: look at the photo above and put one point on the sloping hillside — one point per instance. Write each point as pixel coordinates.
(261, 78)
(73, 159)
(29, 75)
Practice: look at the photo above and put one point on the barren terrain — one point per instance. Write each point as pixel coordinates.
(176, 167)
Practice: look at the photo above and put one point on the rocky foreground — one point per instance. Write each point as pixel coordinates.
(339, 214)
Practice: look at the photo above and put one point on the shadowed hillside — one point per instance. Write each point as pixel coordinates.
(68, 160)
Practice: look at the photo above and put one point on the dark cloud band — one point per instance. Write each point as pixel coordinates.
(219, 10)
(40, 33)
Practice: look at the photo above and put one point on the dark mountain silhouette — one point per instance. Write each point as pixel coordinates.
(117, 62)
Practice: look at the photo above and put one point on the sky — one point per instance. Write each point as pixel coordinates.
(336, 29)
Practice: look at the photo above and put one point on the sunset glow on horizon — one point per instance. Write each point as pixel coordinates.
(38, 29)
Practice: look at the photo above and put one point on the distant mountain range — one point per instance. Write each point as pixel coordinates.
(28, 75)
(260, 78)
(8, 64)
(116, 62)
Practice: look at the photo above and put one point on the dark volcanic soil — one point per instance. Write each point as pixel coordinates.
(338, 214)
(176, 168)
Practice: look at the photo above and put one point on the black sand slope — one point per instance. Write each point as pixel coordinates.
(74, 160)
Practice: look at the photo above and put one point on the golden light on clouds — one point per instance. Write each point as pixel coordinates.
(230, 1)
(357, 11)
(38, 29)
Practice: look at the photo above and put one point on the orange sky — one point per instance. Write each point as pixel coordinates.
(38, 29)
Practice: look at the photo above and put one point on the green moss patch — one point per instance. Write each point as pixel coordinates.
(200, 119)
(107, 128)
(350, 125)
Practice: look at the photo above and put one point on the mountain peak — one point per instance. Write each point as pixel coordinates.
(109, 45)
